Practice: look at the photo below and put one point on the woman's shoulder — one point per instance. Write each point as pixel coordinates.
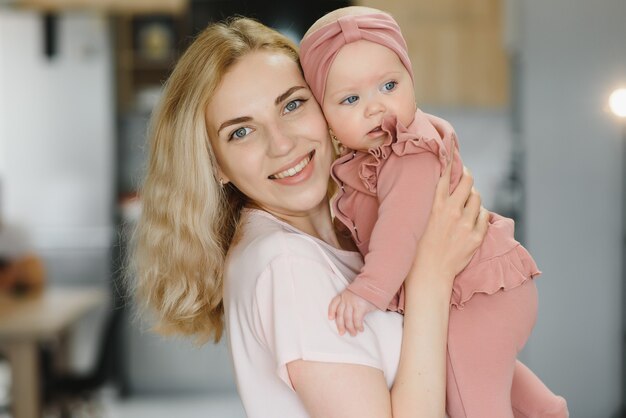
(265, 241)
(266, 236)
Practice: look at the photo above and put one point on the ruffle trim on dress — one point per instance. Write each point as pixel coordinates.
(503, 272)
(401, 141)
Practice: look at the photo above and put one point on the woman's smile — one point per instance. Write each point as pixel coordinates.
(295, 172)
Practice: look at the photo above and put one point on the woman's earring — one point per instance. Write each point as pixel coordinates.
(339, 148)
(222, 182)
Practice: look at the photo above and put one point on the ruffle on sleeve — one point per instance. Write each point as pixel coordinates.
(502, 272)
(370, 165)
(426, 133)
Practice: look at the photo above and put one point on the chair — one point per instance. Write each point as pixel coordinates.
(62, 389)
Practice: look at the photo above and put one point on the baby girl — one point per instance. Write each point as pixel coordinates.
(357, 66)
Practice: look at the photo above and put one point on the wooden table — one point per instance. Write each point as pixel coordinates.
(26, 322)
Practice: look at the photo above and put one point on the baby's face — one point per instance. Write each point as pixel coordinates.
(366, 82)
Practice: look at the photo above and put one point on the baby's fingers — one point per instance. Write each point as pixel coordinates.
(332, 307)
(349, 320)
(358, 320)
(340, 320)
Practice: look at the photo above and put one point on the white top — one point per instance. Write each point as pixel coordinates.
(278, 282)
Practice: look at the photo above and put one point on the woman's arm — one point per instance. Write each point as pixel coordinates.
(455, 230)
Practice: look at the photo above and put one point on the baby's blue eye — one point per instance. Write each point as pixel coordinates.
(350, 100)
(240, 133)
(390, 85)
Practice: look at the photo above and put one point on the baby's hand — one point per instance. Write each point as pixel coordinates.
(348, 311)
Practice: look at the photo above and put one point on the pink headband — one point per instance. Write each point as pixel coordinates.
(319, 49)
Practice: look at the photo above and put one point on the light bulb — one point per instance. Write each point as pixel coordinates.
(617, 102)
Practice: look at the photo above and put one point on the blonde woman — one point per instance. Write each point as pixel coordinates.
(236, 230)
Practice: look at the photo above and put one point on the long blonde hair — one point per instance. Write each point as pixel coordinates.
(188, 219)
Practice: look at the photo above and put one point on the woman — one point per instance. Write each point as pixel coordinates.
(239, 164)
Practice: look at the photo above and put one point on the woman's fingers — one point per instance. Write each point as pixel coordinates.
(476, 218)
(463, 190)
(448, 168)
(443, 186)
(472, 206)
(482, 223)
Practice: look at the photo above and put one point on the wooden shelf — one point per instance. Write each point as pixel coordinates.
(130, 60)
(132, 7)
(136, 70)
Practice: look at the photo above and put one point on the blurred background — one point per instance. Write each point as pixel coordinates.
(525, 83)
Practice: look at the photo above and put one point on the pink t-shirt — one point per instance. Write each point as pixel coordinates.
(278, 282)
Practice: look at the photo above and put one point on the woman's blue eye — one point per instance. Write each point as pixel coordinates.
(293, 105)
(350, 99)
(390, 85)
(240, 133)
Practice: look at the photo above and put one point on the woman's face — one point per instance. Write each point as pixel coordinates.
(269, 136)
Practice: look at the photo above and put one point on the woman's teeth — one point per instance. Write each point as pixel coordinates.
(293, 170)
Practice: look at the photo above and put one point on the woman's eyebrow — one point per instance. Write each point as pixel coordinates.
(286, 94)
(234, 122)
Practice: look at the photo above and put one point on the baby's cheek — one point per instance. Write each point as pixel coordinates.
(408, 108)
(327, 113)
(407, 114)
(332, 118)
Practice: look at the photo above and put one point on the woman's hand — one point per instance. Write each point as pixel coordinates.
(456, 228)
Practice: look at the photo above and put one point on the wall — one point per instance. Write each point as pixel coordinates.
(56, 148)
(573, 53)
(57, 129)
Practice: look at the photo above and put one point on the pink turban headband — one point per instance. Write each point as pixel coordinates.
(319, 49)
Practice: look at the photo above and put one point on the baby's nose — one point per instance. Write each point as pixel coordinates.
(374, 107)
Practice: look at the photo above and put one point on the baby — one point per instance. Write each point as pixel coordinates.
(356, 63)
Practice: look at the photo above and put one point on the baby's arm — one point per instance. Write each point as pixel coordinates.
(406, 189)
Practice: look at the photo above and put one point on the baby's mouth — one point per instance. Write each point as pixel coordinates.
(376, 130)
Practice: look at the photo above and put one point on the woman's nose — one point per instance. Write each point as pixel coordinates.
(281, 141)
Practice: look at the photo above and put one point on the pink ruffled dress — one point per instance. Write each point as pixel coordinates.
(385, 200)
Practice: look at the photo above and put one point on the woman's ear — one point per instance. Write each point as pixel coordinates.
(221, 177)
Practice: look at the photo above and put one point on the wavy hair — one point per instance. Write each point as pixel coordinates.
(188, 220)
